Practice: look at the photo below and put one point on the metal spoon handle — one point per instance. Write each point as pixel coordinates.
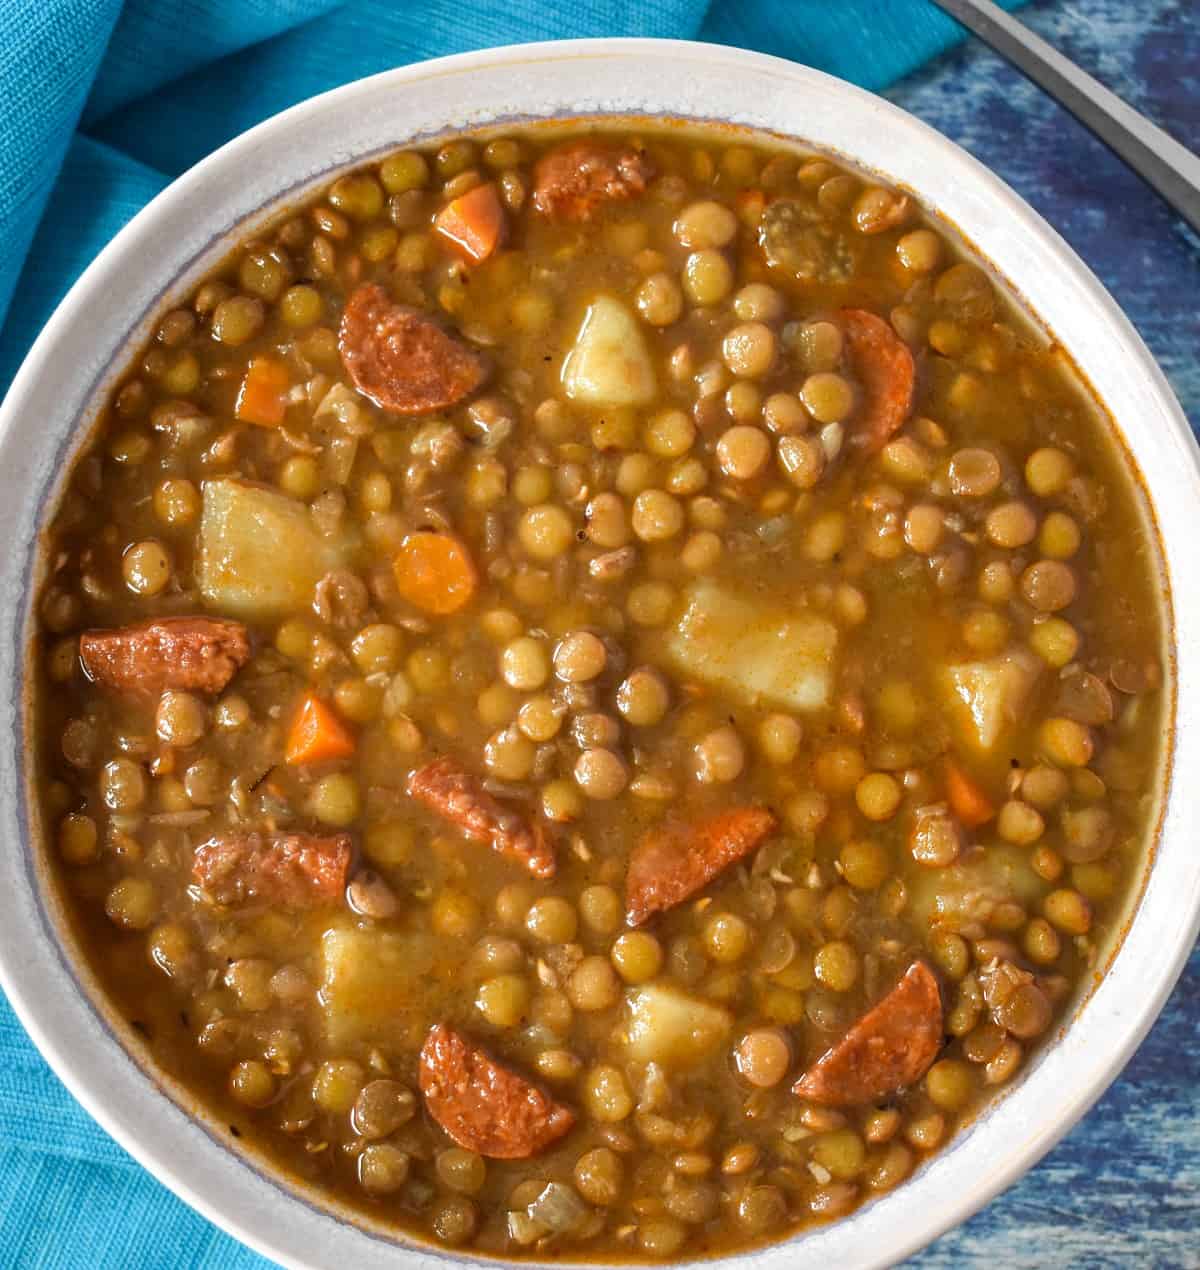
(1168, 167)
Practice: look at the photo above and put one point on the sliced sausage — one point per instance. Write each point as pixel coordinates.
(401, 358)
(293, 870)
(484, 1106)
(457, 796)
(891, 1046)
(570, 182)
(886, 372)
(198, 654)
(794, 237)
(674, 861)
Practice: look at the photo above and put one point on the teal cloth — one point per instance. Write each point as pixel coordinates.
(104, 104)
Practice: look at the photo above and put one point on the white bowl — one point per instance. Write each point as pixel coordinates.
(185, 231)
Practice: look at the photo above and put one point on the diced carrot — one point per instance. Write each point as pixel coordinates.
(317, 734)
(750, 205)
(473, 224)
(261, 397)
(967, 800)
(435, 572)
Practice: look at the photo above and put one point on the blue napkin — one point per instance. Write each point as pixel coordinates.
(104, 104)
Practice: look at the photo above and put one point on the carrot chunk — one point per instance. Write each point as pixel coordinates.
(261, 397)
(435, 572)
(473, 224)
(966, 798)
(317, 734)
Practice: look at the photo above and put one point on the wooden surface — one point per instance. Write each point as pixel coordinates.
(1123, 1189)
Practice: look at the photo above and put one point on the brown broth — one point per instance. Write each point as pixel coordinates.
(214, 988)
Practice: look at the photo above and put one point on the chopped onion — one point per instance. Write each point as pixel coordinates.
(832, 436)
(342, 408)
(655, 1092)
(180, 819)
(557, 1209)
(775, 530)
(339, 458)
(522, 1229)
(327, 510)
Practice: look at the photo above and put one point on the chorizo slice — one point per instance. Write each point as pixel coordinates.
(570, 182)
(886, 372)
(198, 654)
(484, 1106)
(454, 794)
(294, 870)
(674, 861)
(891, 1046)
(401, 358)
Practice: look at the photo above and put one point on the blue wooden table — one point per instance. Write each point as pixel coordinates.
(1123, 1189)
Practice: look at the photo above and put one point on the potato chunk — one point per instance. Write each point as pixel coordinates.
(988, 696)
(968, 893)
(260, 554)
(760, 653)
(371, 984)
(609, 364)
(672, 1028)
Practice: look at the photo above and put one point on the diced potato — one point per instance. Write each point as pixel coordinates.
(370, 984)
(672, 1028)
(260, 554)
(988, 696)
(609, 364)
(759, 652)
(968, 893)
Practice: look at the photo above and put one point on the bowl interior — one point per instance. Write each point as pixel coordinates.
(181, 237)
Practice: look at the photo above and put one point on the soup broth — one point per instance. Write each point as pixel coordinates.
(601, 693)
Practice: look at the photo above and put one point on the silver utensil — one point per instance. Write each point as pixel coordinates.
(1169, 168)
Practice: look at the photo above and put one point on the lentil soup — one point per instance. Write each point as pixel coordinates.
(599, 693)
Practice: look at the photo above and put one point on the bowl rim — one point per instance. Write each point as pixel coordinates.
(176, 1148)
